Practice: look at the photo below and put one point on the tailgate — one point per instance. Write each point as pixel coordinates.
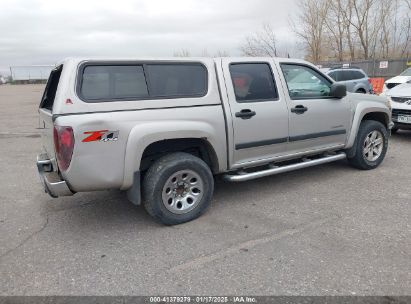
(46, 112)
(46, 127)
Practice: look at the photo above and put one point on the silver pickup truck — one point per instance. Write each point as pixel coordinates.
(162, 129)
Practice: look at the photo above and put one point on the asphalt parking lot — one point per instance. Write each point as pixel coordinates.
(327, 230)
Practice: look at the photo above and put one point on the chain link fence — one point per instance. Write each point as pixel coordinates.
(30, 73)
(374, 68)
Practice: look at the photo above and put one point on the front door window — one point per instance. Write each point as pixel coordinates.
(305, 83)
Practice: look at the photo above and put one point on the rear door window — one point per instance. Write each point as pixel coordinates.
(113, 82)
(253, 82)
(357, 75)
(346, 75)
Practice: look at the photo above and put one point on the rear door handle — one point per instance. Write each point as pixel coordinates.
(245, 114)
(300, 109)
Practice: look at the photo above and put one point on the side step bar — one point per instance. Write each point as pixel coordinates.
(244, 176)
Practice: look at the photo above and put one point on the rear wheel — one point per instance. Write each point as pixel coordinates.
(371, 145)
(394, 130)
(362, 91)
(177, 188)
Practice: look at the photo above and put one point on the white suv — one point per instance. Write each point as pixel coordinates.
(397, 80)
(400, 97)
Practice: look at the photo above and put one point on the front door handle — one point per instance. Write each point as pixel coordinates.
(300, 109)
(245, 114)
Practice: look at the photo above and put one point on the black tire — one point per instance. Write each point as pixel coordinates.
(359, 160)
(361, 91)
(160, 173)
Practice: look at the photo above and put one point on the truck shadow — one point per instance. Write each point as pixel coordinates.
(281, 183)
(402, 135)
(103, 210)
(108, 211)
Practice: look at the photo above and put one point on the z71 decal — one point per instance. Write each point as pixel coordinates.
(102, 135)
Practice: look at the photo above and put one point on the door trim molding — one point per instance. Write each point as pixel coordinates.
(261, 143)
(317, 135)
(254, 144)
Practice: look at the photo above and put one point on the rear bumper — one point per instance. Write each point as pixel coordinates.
(51, 181)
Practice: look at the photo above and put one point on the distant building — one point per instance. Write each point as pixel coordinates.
(31, 73)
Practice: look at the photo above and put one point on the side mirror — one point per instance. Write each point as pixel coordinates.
(338, 90)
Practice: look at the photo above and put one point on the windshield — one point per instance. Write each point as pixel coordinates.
(407, 72)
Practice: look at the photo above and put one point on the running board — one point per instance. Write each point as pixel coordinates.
(245, 176)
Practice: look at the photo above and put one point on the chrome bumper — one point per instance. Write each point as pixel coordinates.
(51, 181)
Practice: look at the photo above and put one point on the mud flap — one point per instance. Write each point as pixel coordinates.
(351, 151)
(134, 193)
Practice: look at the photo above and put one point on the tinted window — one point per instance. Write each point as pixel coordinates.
(113, 82)
(253, 82)
(177, 80)
(345, 75)
(333, 75)
(407, 72)
(357, 75)
(50, 91)
(304, 82)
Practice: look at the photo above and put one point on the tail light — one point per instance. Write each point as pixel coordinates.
(64, 145)
(369, 80)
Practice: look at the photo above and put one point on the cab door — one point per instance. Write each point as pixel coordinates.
(259, 114)
(317, 120)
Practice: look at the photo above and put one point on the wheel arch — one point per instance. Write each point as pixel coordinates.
(379, 114)
(362, 89)
(199, 147)
(159, 139)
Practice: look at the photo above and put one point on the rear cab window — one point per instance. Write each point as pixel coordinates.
(116, 82)
(50, 90)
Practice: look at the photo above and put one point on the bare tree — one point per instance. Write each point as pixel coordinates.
(354, 29)
(405, 29)
(182, 53)
(395, 33)
(349, 33)
(367, 19)
(205, 53)
(261, 43)
(222, 53)
(337, 27)
(311, 24)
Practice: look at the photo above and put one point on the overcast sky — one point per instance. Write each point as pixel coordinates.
(44, 32)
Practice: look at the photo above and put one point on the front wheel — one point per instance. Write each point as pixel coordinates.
(177, 188)
(371, 145)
